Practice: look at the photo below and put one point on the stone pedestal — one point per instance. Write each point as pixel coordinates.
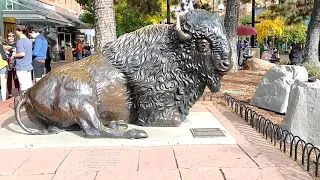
(273, 91)
(12, 136)
(303, 114)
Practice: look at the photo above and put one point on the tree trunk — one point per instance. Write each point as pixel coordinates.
(313, 36)
(105, 24)
(231, 21)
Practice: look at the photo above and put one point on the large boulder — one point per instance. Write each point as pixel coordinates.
(258, 64)
(303, 114)
(273, 91)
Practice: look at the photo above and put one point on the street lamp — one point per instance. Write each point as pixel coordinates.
(168, 11)
(253, 21)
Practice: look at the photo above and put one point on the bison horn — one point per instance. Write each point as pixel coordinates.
(181, 35)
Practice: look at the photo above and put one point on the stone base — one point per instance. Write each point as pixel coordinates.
(12, 136)
(274, 89)
(303, 114)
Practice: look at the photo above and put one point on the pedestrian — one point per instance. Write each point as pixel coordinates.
(296, 55)
(86, 51)
(79, 50)
(23, 58)
(39, 53)
(12, 75)
(48, 60)
(3, 72)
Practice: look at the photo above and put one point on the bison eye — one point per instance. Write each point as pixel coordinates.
(203, 45)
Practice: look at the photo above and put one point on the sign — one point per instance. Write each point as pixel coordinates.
(207, 132)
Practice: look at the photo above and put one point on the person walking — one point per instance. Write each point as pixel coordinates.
(12, 75)
(23, 58)
(3, 72)
(39, 53)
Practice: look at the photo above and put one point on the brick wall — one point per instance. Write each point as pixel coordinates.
(70, 5)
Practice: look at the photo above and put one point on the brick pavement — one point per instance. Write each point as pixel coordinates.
(251, 159)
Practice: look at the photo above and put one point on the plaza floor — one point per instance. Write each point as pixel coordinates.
(251, 158)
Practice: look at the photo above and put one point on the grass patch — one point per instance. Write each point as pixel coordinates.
(313, 70)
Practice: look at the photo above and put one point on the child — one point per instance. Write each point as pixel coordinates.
(86, 51)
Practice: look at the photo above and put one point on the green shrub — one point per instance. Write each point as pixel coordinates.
(312, 70)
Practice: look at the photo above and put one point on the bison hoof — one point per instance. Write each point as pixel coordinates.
(137, 134)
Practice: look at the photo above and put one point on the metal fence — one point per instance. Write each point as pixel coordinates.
(306, 154)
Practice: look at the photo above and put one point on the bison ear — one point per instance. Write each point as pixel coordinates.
(182, 36)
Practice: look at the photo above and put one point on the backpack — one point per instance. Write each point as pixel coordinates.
(3, 63)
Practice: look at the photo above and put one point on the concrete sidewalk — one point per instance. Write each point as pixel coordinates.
(252, 158)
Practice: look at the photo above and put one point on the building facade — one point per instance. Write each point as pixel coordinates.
(58, 19)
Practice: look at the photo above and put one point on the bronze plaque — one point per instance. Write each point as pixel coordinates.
(207, 132)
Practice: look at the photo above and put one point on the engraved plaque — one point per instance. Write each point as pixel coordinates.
(207, 132)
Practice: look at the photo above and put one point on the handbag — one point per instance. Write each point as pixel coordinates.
(3, 63)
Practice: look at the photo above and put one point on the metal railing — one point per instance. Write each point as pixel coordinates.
(299, 150)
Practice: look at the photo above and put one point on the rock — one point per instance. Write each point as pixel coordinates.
(258, 64)
(273, 91)
(303, 114)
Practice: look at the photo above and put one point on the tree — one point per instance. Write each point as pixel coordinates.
(292, 12)
(105, 24)
(231, 21)
(268, 28)
(313, 36)
(295, 33)
(245, 19)
(128, 18)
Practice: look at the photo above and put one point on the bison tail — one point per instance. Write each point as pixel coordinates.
(19, 101)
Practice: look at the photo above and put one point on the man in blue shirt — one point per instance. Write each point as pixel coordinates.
(23, 58)
(39, 52)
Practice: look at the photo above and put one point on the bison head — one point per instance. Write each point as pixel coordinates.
(205, 32)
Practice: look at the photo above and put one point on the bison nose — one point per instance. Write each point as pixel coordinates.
(224, 65)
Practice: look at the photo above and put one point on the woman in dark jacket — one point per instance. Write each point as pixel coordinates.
(296, 55)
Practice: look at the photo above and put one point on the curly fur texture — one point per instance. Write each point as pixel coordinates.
(149, 77)
(165, 76)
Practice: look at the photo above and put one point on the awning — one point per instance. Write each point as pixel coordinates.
(79, 24)
(32, 12)
(69, 16)
(22, 14)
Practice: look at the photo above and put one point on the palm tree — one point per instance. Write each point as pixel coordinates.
(105, 24)
(231, 21)
(313, 36)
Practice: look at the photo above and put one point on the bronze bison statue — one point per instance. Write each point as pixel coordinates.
(150, 77)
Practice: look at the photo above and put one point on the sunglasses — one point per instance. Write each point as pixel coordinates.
(12, 35)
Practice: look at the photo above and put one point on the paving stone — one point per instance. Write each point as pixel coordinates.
(198, 108)
(212, 156)
(75, 176)
(44, 161)
(101, 159)
(275, 173)
(201, 174)
(12, 159)
(27, 177)
(140, 175)
(157, 158)
(261, 151)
